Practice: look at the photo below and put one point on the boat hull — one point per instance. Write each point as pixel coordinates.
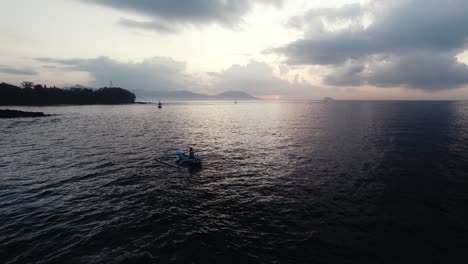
(186, 161)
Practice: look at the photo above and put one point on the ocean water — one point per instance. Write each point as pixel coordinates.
(282, 182)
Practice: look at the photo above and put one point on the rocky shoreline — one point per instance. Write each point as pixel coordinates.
(7, 113)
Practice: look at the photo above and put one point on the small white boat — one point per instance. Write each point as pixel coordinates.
(181, 160)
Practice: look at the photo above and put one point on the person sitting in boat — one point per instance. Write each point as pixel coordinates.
(191, 153)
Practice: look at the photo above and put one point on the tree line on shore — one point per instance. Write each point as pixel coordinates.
(38, 94)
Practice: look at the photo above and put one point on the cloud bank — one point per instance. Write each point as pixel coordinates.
(257, 78)
(16, 71)
(155, 74)
(410, 43)
(159, 74)
(169, 16)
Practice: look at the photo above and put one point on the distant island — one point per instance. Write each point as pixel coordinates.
(186, 95)
(328, 99)
(38, 94)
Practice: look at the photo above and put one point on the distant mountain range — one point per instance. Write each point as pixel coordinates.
(178, 95)
(182, 95)
(186, 95)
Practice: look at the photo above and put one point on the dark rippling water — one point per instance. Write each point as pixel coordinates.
(290, 182)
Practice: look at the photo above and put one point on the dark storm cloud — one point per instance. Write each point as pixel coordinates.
(435, 30)
(410, 26)
(168, 15)
(425, 71)
(18, 71)
(331, 48)
(420, 71)
(350, 74)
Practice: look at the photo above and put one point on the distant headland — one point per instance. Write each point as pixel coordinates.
(38, 94)
(183, 95)
(6, 113)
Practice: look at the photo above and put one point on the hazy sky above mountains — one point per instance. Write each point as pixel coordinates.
(374, 49)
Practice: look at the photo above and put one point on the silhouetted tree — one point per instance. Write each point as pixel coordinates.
(40, 95)
(27, 84)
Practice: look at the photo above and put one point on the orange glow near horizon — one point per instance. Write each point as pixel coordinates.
(269, 97)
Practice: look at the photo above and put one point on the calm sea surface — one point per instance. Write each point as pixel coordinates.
(283, 182)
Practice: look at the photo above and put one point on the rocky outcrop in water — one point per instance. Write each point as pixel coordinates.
(7, 113)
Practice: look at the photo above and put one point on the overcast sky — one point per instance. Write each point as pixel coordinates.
(304, 49)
